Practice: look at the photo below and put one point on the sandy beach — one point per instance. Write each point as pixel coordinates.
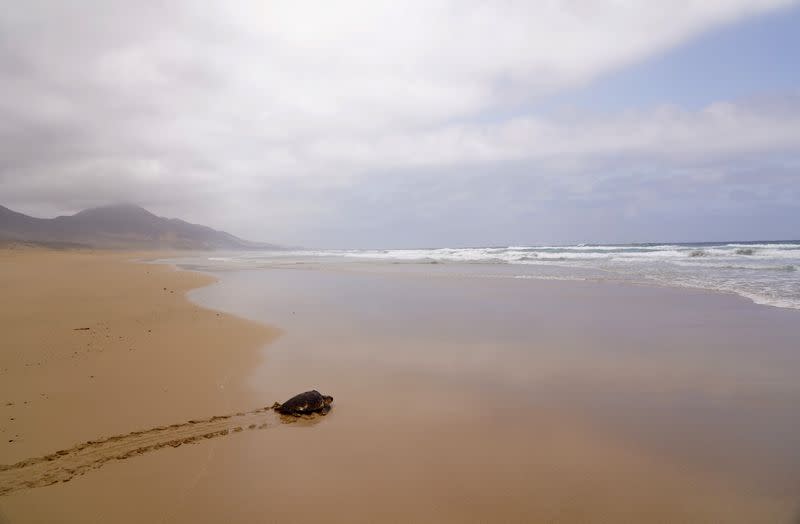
(95, 345)
(380, 262)
(455, 401)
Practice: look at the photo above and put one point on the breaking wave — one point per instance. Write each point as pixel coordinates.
(765, 272)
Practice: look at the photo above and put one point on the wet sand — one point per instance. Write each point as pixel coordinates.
(460, 400)
(469, 399)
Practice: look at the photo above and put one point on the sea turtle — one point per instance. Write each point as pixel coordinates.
(305, 404)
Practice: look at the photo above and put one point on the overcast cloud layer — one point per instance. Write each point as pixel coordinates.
(381, 124)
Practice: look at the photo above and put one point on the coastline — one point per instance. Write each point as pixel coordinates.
(456, 401)
(498, 271)
(97, 344)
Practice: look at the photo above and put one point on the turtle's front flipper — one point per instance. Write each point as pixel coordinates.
(324, 410)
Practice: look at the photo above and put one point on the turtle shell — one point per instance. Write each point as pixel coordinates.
(308, 402)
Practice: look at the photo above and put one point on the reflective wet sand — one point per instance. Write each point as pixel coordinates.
(473, 400)
(479, 399)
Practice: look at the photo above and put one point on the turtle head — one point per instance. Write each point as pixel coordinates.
(327, 399)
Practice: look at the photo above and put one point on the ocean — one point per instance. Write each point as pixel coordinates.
(765, 272)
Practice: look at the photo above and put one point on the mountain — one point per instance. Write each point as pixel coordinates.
(117, 226)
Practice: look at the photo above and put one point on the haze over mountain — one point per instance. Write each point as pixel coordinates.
(117, 226)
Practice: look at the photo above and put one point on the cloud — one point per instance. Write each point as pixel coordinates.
(262, 116)
(721, 129)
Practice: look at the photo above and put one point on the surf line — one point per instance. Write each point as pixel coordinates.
(66, 464)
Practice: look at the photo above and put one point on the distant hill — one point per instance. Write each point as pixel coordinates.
(119, 226)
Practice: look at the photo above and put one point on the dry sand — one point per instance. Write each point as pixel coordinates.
(158, 371)
(94, 345)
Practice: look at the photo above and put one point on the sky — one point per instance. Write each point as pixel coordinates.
(410, 124)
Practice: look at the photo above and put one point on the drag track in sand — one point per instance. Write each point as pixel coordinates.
(66, 464)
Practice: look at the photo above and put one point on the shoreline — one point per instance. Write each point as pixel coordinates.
(100, 344)
(764, 272)
(439, 269)
(480, 380)
(211, 271)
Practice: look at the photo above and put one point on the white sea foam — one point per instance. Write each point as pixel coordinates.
(764, 272)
